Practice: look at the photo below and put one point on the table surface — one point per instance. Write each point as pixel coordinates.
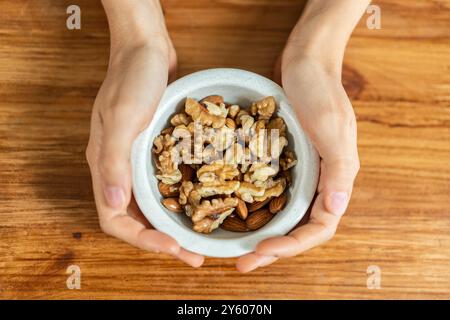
(398, 78)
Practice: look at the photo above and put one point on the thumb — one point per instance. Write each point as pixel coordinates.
(120, 128)
(337, 179)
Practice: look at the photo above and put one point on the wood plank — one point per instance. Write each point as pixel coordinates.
(399, 81)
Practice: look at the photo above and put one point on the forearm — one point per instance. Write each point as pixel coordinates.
(134, 23)
(324, 29)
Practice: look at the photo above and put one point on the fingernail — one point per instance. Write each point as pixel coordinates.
(339, 202)
(115, 197)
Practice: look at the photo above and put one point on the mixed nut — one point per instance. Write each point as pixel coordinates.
(223, 165)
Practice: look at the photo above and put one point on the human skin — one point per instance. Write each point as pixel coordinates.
(140, 67)
(310, 72)
(141, 60)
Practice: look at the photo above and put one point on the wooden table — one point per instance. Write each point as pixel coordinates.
(399, 218)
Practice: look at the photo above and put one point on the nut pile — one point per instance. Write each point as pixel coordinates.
(223, 165)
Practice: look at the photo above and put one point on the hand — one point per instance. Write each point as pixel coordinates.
(327, 116)
(135, 81)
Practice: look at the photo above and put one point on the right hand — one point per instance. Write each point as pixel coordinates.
(135, 81)
(326, 114)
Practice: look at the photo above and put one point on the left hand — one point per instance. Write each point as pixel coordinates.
(326, 114)
(135, 81)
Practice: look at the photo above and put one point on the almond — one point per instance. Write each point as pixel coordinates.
(216, 99)
(233, 223)
(169, 190)
(252, 207)
(187, 173)
(241, 209)
(172, 204)
(277, 204)
(258, 219)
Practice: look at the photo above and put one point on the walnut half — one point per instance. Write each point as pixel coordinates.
(212, 115)
(239, 156)
(208, 215)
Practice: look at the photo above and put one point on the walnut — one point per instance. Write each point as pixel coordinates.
(276, 146)
(246, 122)
(216, 110)
(217, 171)
(180, 118)
(259, 146)
(266, 184)
(286, 175)
(263, 108)
(189, 210)
(182, 131)
(168, 168)
(246, 160)
(258, 126)
(216, 99)
(234, 154)
(210, 154)
(163, 142)
(185, 190)
(213, 207)
(221, 138)
(212, 116)
(274, 191)
(233, 110)
(260, 171)
(158, 144)
(277, 124)
(183, 135)
(239, 115)
(209, 189)
(208, 224)
(207, 215)
(247, 191)
(230, 123)
(191, 127)
(167, 130)
(287, 160)
(267, 145)
(167, 159)
(170, 178)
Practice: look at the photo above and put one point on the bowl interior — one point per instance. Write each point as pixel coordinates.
(235, 95)
(240, 87)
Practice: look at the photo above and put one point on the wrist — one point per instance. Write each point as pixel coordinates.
(320, 54)
(323, 31)
(316, 39)
(136, 23)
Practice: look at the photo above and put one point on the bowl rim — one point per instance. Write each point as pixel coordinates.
(151, 206)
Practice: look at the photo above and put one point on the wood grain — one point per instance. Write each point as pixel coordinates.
(399, 218)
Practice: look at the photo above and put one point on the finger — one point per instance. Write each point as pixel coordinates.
(134, 100)
(335, 187)
(120, 128)
(117, 223)
(335, 139)
(251, 261)
(277, 70)
(131, 231)
(135, 212)
(337, 178)
(321, 228)
(192, 259)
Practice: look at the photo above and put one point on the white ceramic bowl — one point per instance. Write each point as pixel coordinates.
(236, 86)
